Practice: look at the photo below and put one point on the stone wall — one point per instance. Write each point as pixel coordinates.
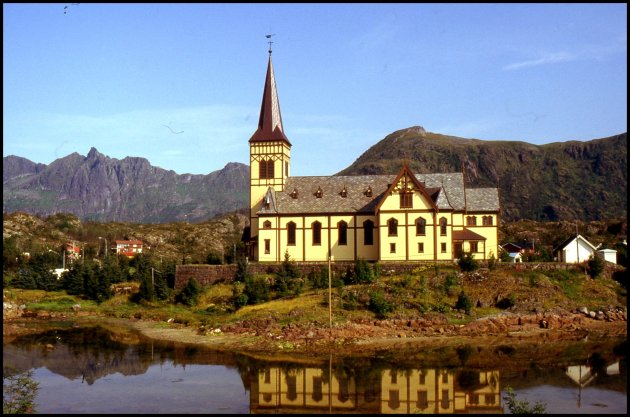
(210, 274)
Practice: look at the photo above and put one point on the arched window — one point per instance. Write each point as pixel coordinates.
(421, 226)
(392, 227)
(267, 224)
(487, 220)
(291, 234)
(343, 233)
(471, 221)
(368, 232)
(266, 169)
(317, 233)
(443, 224)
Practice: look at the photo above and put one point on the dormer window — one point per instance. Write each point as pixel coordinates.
(368, 192)
(319, 193)
(344, 192)
(294, 193)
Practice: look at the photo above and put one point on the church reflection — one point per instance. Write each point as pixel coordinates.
(385, 391)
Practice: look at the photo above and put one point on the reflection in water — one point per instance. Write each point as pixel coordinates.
(124, 363)
(384, 391)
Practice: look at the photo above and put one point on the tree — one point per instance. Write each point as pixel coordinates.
(467, 262)
(18, 393)
(521, 407)
(189, 295)
(463, 302)
(595, 266)
(288, 278)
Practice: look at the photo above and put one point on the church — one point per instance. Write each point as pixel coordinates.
(399, 217)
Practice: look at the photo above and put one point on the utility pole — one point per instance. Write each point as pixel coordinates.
(577, 243)
(330, 293)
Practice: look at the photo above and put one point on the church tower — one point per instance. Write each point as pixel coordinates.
(269, 154)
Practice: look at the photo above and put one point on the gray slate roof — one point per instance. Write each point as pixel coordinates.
(447, 191)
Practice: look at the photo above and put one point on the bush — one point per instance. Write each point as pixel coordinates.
(595, 266)
(256, 290)
(379, 305)
(507, 302)
(318, 279)
(467, 263)
(190, 293)
(463, 303)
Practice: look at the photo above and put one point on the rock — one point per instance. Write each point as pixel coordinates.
(583, 310)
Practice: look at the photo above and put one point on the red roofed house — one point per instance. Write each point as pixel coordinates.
(128, 248)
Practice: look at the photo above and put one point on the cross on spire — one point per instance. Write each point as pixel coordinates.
(270, 41)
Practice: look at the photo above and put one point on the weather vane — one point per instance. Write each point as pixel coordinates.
(270, 42)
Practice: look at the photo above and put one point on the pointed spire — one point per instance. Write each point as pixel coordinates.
(270, 121)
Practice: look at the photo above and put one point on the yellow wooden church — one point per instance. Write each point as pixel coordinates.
(401, 217)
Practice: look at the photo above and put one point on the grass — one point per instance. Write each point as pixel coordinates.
(413, 295)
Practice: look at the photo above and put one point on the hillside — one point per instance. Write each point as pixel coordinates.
(558, 181)
(96, 187)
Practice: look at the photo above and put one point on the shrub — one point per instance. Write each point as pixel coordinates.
(595, 266)
(256, 290)
(190, 293)
(379, 305)
(467, 263)
(318, 279)
(507, 302)
(463, 303)
(449, 282)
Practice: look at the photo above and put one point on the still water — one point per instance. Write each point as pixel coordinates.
(98, 370)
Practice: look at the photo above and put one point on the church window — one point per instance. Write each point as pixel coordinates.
(420, 247)
(291, 234)
(392, 227)
(317, 233)
(294, 193)
(443, 247)
(406, 200)
(343, 233)
(487, 220)
(319, 193)
(368, 232)
(267, 224)
(267, 246)
(471, 221)
(270, 169)
(266, 169)
(443, 223)
(421, 226)
(368, 192)
(392, 248)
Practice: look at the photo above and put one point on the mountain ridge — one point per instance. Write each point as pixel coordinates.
(583, 180)
(97, 187)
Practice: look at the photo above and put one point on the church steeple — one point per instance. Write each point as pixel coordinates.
(270, 121)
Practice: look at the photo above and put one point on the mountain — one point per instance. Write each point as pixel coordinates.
(557, 181)
(100, 188)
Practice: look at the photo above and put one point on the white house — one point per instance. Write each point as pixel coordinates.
(609, 255)
(574, 250)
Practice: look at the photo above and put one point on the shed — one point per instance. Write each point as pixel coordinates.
(574, 250)
(609, 255)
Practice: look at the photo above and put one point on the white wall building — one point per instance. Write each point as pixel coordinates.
(574, 250)
(609, 255)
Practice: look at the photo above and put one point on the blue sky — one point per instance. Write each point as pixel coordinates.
(128, 78)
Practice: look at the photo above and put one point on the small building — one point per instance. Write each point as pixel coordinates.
(128, 248)
(73, 252)
(609, 255)
(574, 250)
(514, 251)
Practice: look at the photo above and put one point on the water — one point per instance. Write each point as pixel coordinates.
(98, 370)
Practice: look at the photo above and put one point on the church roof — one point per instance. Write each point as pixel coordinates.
(363, 193)
(270, 120)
